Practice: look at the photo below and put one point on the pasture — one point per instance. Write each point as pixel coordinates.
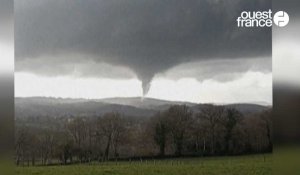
(239, 165)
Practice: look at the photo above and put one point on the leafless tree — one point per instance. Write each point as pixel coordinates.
(212, 115)
(26, 146)
(266, 117)
(213, 130)
(46, 145)
(159, 125)
(21, 143)
(110, 126)
(179, 118)
(230, 120)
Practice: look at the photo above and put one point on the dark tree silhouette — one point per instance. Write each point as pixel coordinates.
(160, 134)
(179, 119)
(213, 116)
(230, 120)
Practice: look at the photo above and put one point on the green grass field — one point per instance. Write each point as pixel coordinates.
(240, 165)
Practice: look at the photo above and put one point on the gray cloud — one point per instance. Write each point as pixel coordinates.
(224, 70)
(149, 37)
(53, 66)
(6, 9)
(290, 6)
(6, 20)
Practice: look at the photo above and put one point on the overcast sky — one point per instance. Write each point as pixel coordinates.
(6, 38)
(173, 50)
(286, 44)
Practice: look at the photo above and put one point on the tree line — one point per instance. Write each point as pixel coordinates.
(178, 131)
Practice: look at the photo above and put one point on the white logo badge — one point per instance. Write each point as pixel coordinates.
(262, 19)
(281, 18)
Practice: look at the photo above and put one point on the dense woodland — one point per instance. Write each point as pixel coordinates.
(177, 131)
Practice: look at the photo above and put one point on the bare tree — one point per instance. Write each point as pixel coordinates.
(266, 117)
(110, 126)
(199, 133)
(231, 118)
(256, 132)
(21, 143)
(160, 127)
(179, 119)
(212, 115)
(46, 145)
(78, 130)
(26, 146)
(215, 130)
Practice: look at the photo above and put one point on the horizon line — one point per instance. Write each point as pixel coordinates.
(262, 103)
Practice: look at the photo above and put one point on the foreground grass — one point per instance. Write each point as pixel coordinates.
(240, 165)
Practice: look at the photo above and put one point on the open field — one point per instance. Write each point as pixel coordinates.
(240, 165)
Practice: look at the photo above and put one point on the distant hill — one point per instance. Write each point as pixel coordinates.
(146, 103)
(39, 106)
(135, 106)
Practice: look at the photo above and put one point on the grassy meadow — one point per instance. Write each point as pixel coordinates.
(239, 165)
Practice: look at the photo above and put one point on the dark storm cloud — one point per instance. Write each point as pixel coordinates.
(290, 6)
(6, 9)
(148, 36)
(80, 68)
(6, 20)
